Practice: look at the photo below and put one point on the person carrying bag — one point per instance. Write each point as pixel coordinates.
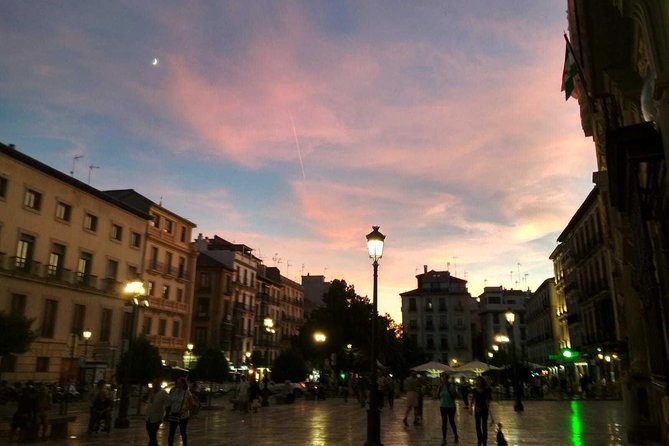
(179, 411)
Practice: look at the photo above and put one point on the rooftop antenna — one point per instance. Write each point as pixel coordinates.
(276, 258)
(324, 271)
(90, 169)
(448, 266)
(511, 277)
(74, 162)
(455, 266)
(160, 202)
(288, 265)
(518, 271)
(302, 270)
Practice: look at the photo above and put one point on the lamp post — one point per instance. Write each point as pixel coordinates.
(375, 247)
(87, 335)
(189, 354)
(137, 293)
(517, 391)
(268, 324)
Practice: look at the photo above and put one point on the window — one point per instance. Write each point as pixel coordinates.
(169, 226)
(78, 318)
(18, 305)
(84, 267)
(201, 335)
(175, 329)
(63, 211)
(146, 326)
(428, 304)
(203, 307)
(135, 239)
(3, 187)
(205, 281)
(413, 324)
(444, 342)
(132, 272)
(127, 330)
(182, 267)
(180, 295)
(112, 269)
(42, 364)
(168, 262)
(105, 325)
(493, 299)
(91, 222)
(183, 234)
(162, 327)
(156, 221)
(166, 291)
(151, 286)
(412, 304)
(56, 258)
(117, 232)
(154, 258)
(49, 318)
(24, 252)
(32, 200)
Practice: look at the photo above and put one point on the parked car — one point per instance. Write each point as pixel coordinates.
(297, 389)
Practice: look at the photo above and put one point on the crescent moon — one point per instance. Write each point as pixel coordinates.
(155, 61)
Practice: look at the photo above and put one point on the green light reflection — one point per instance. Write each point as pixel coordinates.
(575, 422)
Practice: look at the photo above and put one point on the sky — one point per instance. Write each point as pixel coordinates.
(294, 126)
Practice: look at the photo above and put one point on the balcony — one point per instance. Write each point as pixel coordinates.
(158, 303)
(167, 342)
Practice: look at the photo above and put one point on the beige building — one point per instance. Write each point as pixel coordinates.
(66, 251)
(493, 303)
(168, 271)
(292, 311)
(437, 315)
(542, 323)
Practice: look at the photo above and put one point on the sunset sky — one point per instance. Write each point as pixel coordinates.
(294, 126)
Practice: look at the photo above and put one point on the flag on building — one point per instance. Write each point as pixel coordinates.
(569, 73)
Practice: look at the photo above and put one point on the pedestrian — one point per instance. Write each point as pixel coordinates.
(464, 392)
(389, 384)
(447, 395)
(101, 406)
(410, 386)
(23, 419)
(481, 397)
(181, 402)
(43, 406)
(243, 394)
(421, 388)
(157, 403)
(363, 384)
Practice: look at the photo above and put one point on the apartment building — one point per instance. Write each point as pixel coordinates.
(245, 288)
(66, 251)
(314, 288)
(213, 312)
(168, 271)
(494, 302)
(292, 311)
(621, 47)
(437, 315)
(542, 324)
(582, 264)
(268, 313)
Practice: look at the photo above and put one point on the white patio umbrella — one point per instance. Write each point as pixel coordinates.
(477, 367)
(433, 367)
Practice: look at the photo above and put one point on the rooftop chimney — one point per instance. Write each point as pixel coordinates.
(425, 269)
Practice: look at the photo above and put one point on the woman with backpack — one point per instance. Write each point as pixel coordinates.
(447, 395)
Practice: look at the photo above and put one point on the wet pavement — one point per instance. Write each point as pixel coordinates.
(333, 422)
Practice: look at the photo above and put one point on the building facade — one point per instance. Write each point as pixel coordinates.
(314, 288)
(623, 51)
(168, 271)
(66, 251)
(437, 316)
(493, 303)
(543, 331)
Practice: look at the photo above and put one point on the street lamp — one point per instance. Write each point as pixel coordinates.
(189, 353)
(517, 391)
(375, 247)
(268, 324)
(87, 335)
(136, 293)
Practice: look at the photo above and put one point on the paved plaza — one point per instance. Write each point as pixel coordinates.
(333, 422)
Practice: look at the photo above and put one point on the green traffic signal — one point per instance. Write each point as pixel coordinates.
(569, 354)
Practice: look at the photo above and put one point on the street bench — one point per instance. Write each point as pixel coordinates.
(59, 425)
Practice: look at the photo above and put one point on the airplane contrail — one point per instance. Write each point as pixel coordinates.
(297, 144)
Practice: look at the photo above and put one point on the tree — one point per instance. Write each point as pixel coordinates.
(289, 365)
(140, 364)
(212, 367)
(17, 334)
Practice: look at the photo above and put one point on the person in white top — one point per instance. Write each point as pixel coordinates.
(181, 402)
(156, 404)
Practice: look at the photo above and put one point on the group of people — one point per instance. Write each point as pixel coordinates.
(174, 407)
(32, 408)
(447, 394)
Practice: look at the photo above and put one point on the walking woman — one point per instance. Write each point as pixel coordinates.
(181, 402)
(481, 397)
(447, 395)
